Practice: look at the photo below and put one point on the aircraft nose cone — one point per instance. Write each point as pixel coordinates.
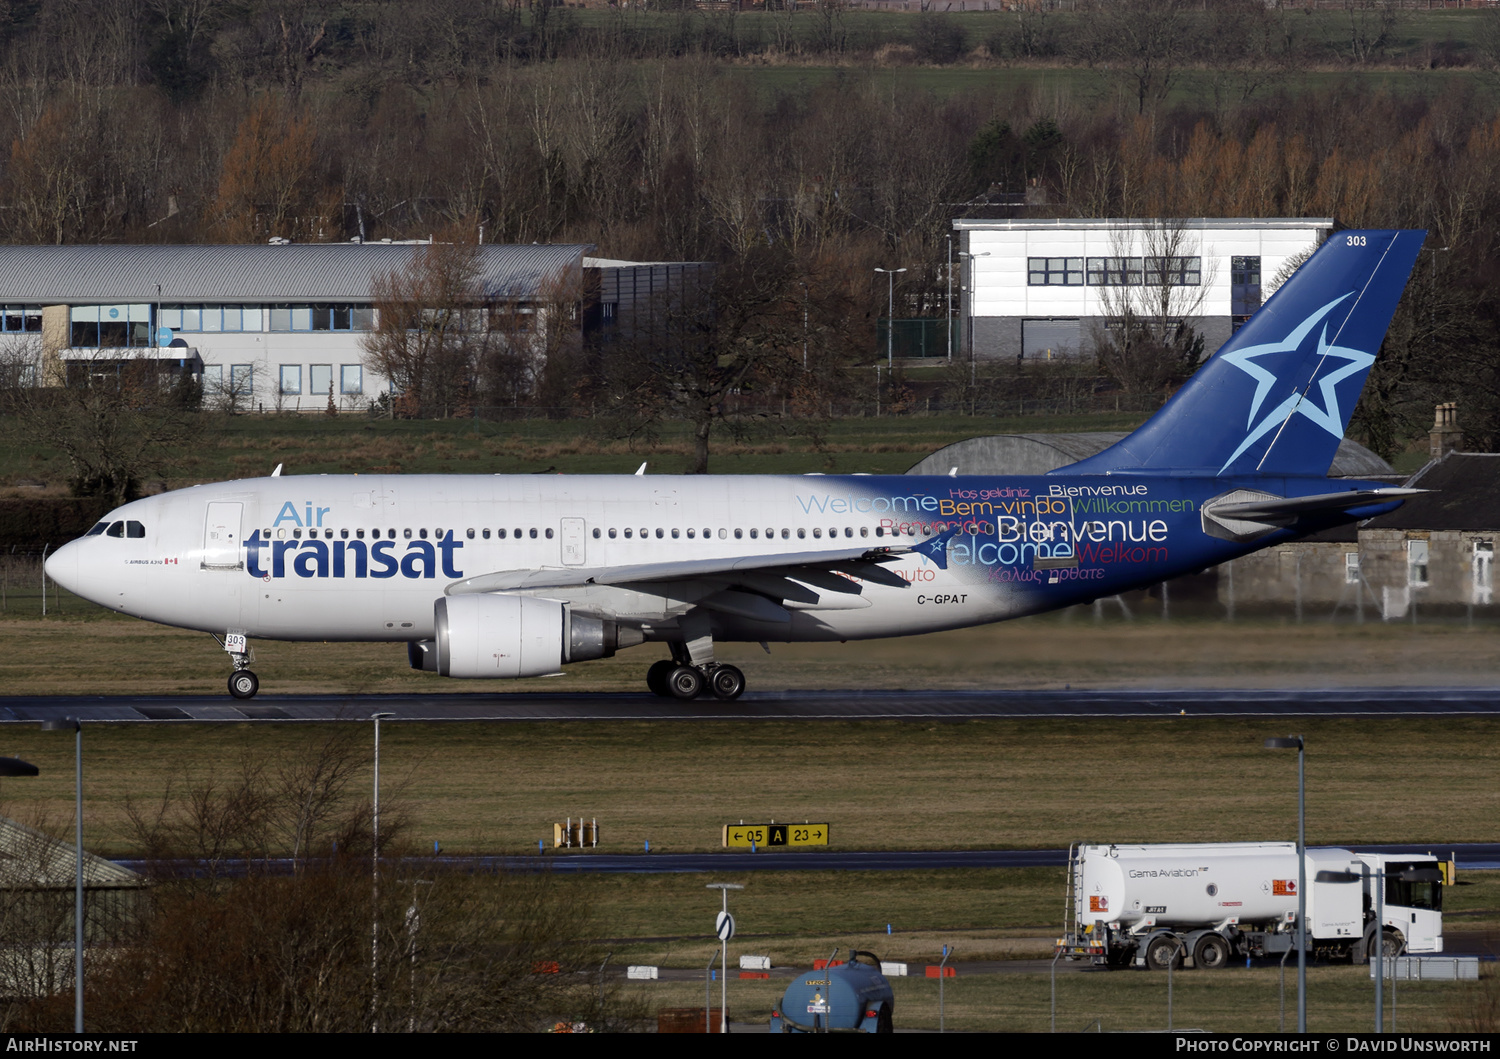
(62, 567)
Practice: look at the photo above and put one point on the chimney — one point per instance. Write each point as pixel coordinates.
(1445, 437)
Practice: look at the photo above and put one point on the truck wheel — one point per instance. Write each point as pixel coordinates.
(883, 1022)
(1163, 951)
(1392, 944)
(1212, 952)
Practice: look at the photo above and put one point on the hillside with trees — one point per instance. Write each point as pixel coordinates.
(808, 144)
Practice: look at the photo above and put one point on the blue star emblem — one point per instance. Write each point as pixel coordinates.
(1329, 417)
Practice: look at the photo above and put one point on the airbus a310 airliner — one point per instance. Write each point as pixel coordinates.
(502, 576)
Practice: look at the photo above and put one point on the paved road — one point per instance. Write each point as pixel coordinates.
(787, 705)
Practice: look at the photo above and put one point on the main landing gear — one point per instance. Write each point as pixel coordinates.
(682, 680)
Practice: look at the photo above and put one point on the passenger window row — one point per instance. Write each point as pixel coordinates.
(925, 529)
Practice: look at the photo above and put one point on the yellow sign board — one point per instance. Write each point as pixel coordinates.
(744, 836)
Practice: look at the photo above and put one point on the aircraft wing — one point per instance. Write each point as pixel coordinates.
(765, 574)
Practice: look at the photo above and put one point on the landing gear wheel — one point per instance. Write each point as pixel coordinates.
(1163, 951)
(1212, 952)
(685, 682)
(656, 677)
(243, 684)
(726, 682)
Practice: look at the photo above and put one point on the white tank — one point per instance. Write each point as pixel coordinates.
(1187, 885)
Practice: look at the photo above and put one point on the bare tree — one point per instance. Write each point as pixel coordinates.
(1142, 42)
(115, 416)
(1148, 343)
(431, 331)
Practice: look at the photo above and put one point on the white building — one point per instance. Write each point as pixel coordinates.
(277, 325)
(1041, 289)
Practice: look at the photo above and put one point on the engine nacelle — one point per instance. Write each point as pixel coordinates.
(499, 636)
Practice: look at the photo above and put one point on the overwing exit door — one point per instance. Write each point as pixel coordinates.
(573, 546)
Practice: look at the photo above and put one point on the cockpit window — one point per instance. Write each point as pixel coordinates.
(134, 529)
(116, 529)
(98, 529)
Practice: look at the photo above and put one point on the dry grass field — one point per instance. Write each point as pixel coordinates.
(81, 649)
(1235, 1000)
(1037, 783)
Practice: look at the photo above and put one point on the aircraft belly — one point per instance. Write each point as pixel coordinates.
(367, 612)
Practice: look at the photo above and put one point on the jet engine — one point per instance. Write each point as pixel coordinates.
(499, 636)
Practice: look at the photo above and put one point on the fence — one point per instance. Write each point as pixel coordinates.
(24, 590)
(917, 339)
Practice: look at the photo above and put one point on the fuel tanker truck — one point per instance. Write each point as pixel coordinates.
(1201, 905)
(852, 997)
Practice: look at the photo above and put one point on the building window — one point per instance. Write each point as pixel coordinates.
(213, 378)
(351, 378)
(510, 318)
(320, 379)
(1351, 568)
(1174, 271)
(1116, 271)
(287, 317)
(1416, 563)
(1484, 572)
(209, 318)
(291, 378)
(242, 379)
(1244, 286)
(110, 326)
(1054, 271)
(27, 318)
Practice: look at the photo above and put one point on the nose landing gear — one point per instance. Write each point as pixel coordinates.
(243, 684)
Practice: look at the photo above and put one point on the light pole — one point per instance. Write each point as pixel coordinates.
(973, 360)
(724, 928)
(804, 326)
(1376, 949)
(948, 316)
(375, 884)
(72, 724)
(1295, 742)
(890, 312)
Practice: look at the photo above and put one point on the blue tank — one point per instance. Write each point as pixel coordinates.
(852, 997)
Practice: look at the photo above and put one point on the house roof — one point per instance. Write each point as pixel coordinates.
(305, 272)
(31, 860)
(1040, 453)
(1465, 496)
(1110, 224)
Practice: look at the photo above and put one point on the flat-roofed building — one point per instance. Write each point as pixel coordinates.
(278, 325)
(1038, 290)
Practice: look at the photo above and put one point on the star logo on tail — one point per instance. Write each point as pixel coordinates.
(1329, 416)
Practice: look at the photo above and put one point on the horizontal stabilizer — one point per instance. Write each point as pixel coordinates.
(1244, 514)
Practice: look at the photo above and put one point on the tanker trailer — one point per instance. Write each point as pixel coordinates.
(1203, 904)
(851, 997)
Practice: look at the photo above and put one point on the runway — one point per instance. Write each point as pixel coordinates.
(912, 705)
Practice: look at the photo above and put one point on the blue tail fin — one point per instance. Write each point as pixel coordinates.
(1276, 399)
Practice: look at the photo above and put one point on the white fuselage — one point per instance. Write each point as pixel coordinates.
(365, 557)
